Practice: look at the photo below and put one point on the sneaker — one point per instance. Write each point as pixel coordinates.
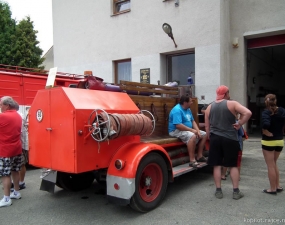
(13, 196)
(21, 186)
(219, 194)
(237, 195)
(3, 203)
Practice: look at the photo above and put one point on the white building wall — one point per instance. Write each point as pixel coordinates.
(207, 66)
(88, 37)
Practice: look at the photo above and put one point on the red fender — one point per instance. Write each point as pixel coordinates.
(131, 154)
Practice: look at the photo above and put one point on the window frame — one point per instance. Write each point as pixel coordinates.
(116, 81)
(116, 2)
(168, 79)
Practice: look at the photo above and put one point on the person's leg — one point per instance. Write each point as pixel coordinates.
(191, 148)
(6, 182)
(201, 144)
(16, 164)
(5, 173)
(276, 156)
(189, 139)
(271, 167)
(224, 171)
(234, 173)
(22, 171)
(16, 180)
(239, 162)
(217, 173)
(231, 149)
(215, 159)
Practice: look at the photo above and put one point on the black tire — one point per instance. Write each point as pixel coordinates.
(74, 182)
(152, 169)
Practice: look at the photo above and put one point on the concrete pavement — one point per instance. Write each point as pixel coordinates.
(189, 200)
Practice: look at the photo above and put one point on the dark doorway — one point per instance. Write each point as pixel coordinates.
(265, 74)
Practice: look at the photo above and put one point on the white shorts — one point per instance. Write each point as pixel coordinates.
(186, 135)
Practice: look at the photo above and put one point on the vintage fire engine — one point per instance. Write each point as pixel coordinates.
(23, 83)
(117, 135)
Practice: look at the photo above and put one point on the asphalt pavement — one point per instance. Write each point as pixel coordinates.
(189, 200)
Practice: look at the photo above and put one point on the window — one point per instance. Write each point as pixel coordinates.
(121, 6)
(180, 67)
(123, 70)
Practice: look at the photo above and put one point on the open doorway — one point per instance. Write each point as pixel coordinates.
(265, 74)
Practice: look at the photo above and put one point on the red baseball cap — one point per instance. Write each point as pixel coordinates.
(221, 91)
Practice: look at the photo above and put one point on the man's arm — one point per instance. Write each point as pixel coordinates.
(207, 121)
(244, 112)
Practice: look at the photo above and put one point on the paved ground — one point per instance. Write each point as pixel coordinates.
(189, 200)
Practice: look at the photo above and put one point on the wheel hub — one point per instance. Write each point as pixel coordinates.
(148, 181)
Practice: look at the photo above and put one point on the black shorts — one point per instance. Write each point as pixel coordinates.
(272, 145)
(223, 151)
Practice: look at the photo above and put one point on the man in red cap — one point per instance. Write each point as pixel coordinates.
(222, 130)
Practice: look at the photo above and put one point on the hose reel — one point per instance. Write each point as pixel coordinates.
(104, 126)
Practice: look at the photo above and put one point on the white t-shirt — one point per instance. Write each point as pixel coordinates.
(24, 133)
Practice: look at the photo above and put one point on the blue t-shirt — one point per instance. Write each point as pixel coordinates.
(178, 115)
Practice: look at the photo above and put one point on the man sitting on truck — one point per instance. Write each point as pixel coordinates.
(183, 126)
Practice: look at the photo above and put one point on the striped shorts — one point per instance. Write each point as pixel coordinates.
(10, 164)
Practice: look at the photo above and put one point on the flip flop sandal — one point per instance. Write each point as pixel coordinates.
(223, 178)
(269, 192)
(194, 164)
(279, 189)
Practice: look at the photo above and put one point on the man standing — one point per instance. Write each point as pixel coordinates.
(10, 149)
(182, 125)
(25, 144)
(222, 129)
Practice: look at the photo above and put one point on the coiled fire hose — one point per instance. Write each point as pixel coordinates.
(111, 126)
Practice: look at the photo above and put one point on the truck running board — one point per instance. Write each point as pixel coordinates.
(185, 168)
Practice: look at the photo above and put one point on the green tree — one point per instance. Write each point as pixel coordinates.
(18, 41)
(7, 34)
(26, 51)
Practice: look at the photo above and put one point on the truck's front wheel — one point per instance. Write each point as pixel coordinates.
(151, 183)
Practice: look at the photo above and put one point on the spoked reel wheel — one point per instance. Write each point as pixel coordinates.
(99, 122)
(146, 112)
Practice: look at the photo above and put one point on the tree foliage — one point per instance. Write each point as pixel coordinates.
(18, 41)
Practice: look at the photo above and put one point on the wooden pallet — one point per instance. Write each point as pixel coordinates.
(151, 89)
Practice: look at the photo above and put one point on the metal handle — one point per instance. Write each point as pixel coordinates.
(49, 129)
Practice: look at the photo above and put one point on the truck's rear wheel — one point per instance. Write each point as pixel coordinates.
(151, 183)
(74, 182)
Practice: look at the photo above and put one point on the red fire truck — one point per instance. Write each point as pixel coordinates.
(23, 83)
(114, 134)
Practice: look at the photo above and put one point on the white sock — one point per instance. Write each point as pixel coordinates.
(21, 182)
(16, 192)
(6, 198)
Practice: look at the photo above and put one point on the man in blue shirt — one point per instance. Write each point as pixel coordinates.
(182, 125)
